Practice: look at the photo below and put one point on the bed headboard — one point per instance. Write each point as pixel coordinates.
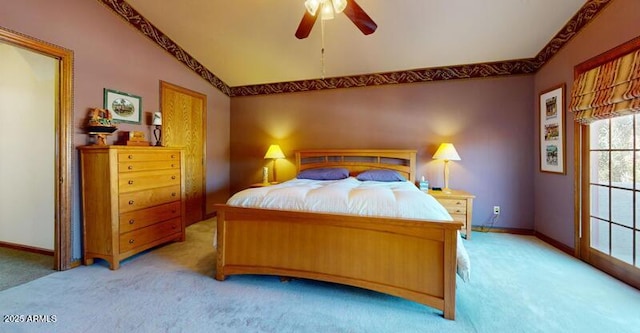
(358, 160)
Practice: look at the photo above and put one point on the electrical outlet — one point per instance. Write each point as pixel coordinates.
(496, 210)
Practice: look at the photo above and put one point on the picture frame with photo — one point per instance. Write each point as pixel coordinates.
(551, 103)
(124, 107)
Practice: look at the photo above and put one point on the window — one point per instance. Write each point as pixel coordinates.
(605, 100)
(614, 158)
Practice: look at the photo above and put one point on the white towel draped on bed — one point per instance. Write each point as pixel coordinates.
(351, 196)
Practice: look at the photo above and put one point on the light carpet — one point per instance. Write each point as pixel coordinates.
(518, 284)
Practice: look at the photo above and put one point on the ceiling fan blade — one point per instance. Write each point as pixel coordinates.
(304, 29)
(357, 15)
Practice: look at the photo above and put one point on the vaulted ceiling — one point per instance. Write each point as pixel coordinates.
(244, 43)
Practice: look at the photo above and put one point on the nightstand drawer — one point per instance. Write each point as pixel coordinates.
(454, 206)
(459, 217)
(459, 204)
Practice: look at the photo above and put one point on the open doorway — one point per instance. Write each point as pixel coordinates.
(56, 172)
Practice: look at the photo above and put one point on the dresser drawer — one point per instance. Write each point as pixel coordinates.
(146, 198)
(136, 181)
(454, 206)
(134, 166)
(140, 237)
(143, 156)
(144, 217)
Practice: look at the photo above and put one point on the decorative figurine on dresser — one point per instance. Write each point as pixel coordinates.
(100, 125)
(132, 200)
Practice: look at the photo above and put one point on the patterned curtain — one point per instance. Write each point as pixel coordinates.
(607, 91)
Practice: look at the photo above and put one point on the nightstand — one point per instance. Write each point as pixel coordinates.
(460, 205)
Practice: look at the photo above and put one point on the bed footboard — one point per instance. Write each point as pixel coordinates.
(412, 259)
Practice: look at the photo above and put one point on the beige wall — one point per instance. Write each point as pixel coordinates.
(28, 93)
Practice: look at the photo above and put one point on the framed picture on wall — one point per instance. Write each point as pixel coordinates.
(552, 133)
(124, 108)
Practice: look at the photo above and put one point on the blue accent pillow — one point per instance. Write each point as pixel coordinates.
(381, 176)
(324, 174)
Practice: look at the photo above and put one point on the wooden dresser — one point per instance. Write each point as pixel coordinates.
(459, 204)
(132, 200)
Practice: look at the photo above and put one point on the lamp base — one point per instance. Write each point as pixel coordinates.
(157, 133)
(446, 190)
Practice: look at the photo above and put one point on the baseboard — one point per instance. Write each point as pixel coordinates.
(75, 263)
(560, 246)
(516, 231)
(26, 248)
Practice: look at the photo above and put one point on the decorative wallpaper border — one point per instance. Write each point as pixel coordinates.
(502, 68)
(513, 67)
(124, 10)
(575, 24)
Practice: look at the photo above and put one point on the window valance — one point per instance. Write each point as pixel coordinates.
(609, 90)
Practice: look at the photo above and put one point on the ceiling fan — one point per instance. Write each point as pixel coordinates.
(326, 10)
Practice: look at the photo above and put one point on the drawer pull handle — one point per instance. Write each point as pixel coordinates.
(173, 211)
(173, 177)
(458, 203)
(458, 211)
(173, 156)
(132, 221)
(131, 241)
(173, 226)
(173, 165)
(130, 167)
(173, 194)
(131, 182)
(130, 157)
(130, 202)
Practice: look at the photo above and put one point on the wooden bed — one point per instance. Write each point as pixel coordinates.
(412, 259)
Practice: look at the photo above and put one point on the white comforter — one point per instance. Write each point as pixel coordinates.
(351, 196)
(345, 196)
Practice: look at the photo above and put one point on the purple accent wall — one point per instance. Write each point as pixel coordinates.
(554, 194)
(488, 121)
(109, 53)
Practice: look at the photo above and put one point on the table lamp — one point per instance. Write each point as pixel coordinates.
(157, 132)
(274, 152)
(446, 152)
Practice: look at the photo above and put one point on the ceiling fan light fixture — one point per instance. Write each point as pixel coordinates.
(327, 9)
(312, 6)
(339, 5)
(326, 12)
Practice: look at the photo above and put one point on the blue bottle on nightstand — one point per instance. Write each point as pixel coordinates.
(424, 184)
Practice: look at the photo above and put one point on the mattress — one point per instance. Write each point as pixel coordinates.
(351, 196)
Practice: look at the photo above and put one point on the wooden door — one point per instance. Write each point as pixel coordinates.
(183, 126)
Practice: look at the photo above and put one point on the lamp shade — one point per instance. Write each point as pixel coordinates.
(157, 118)
(274, 152)
(446, 151)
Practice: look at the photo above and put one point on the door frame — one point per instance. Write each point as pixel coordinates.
(62, 251)
(610, 265)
